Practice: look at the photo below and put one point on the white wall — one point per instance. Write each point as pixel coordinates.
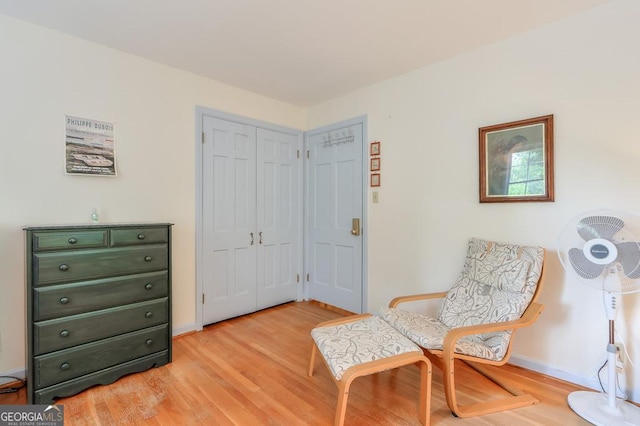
(45, 75)
(586, 71)
(580, 69)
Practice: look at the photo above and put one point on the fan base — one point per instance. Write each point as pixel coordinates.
(594, 407)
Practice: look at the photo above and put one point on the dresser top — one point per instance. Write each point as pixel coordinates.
(95, 225)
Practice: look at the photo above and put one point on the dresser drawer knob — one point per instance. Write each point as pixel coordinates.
(72, 240)
(148, 314)
(148, 286)
(148, 258)
(64, 333)
(64, 267)
(65, 366)
(64, 300)
(149, 342)
(141, 236)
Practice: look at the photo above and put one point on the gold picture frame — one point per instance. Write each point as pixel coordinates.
(516, 161)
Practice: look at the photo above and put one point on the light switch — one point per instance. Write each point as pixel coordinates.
(375, 197)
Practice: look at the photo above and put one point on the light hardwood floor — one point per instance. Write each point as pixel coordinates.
(252, 370)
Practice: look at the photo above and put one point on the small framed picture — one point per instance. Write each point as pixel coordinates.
(375, 164)
(375, 148)
(375, 179)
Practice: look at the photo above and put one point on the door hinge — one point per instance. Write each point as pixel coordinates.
(307, 154)
(203, 137)
(297, 278)
(203, 298)
(307, 277)
(298, 154)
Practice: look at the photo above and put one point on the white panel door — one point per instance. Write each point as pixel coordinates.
(335, 198)
(229, 237)
(278, 222)
(251, 217)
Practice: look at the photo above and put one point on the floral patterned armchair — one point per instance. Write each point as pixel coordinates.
(494, 295)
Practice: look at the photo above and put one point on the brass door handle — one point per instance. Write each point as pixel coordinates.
(355, 226)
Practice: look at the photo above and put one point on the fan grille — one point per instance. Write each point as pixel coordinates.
(599, 227)
(620, 229)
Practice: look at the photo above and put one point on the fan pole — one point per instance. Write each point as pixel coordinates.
(611, 367)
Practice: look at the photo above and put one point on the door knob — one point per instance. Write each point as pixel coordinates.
(355, 226)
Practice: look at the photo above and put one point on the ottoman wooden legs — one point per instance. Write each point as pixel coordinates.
(361, 345)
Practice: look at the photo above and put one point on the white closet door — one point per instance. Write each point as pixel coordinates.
(278, 215)
(229, 219)
(334, 200)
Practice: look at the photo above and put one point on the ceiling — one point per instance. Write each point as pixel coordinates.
(301, 52)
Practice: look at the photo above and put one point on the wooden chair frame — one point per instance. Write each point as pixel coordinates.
(375, 367)
(445, 358)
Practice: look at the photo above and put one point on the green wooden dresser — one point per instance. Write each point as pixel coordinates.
(98, 305)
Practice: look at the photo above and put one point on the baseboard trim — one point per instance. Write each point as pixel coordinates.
(577, 379)
(20, 373)
(331, 308)
(184, 329)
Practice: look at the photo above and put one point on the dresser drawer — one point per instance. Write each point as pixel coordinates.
(71, 331)
(50, 394)
(59, 267)
(75, 362)
(69, 239)
(129, 236)
(68, 299)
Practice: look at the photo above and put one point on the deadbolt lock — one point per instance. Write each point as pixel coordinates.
(355, 226)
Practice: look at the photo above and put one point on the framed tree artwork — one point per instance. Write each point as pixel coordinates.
(516, 161)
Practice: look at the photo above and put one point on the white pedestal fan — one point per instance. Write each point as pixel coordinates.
(602, 250)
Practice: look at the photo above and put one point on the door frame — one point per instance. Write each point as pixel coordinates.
(362, 120)
(200, 111)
